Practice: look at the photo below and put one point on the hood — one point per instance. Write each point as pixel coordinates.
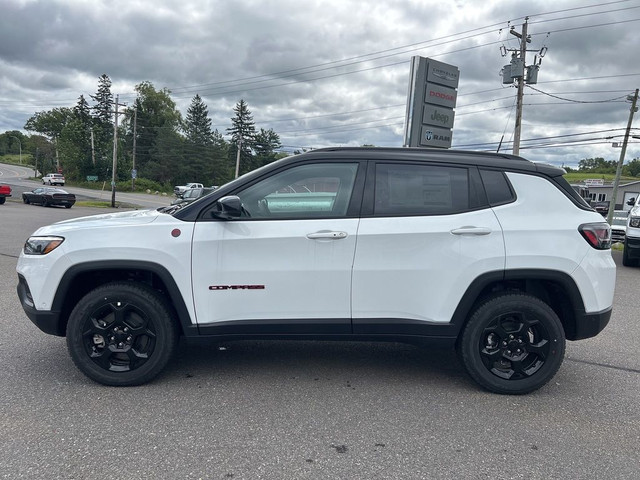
(134, 217)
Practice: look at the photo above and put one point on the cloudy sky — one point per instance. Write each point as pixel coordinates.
(336, 72)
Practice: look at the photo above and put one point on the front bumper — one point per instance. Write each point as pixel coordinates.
(47, 321)
(632, 247)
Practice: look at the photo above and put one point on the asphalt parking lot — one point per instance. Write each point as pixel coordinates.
(310, 410)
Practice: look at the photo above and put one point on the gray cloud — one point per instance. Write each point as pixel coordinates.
(275, 53)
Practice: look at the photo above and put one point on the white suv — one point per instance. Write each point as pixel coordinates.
(631, 254)
(488, 253)
(53, 179)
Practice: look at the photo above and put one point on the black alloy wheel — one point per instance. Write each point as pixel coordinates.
(513, 344)
(122, 334)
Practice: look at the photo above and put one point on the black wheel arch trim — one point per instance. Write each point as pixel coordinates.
(577, 322)
(165, 276)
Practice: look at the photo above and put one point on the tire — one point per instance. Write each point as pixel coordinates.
(45, 202)
(2, 200)
(122, 334)
(25, 200)
(512, 344)
(67, 206)
(626, 261)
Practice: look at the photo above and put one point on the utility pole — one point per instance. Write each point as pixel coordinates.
(238, 154)
(524, 39)
(516, 71)
(616, 182)
(134, 173)
(115, 156)
(93, 150)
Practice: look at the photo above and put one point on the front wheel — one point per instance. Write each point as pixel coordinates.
(122, 334)
(512, 344)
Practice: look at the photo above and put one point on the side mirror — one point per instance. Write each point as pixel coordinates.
(631, 201)
(228, 208)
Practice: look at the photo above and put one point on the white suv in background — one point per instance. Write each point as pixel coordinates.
(53, 179)
(631, 254)
(490, 254)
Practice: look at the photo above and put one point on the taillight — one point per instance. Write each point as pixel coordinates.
(598, 235)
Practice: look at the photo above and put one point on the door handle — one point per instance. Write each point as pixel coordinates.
(468, 230)
(329, 235)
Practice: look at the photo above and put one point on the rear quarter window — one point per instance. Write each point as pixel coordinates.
(497, 186)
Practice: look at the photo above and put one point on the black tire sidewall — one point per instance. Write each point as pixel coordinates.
(484, 315)
(157, 311)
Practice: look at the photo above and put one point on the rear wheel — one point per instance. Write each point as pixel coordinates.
(2, 200)
(512, 344)
(122, 334)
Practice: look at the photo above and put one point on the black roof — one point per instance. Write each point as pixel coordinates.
(490, 159)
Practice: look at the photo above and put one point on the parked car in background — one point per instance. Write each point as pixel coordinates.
(192, 195)
(53, 179)
(619, 225)
(48, 196)
(179, 190)
(631, 254)
(601, 207)
(5, 191)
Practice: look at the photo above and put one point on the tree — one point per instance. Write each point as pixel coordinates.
(197, 125)
(633, 168)
(597, 165)
(103, 109)
(157, 119)
(51, 124)
(266, 144)
(243, 132)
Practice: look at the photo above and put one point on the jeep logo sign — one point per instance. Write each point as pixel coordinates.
(432, 98)
(438, 116)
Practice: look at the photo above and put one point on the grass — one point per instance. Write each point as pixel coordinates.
(578, 177)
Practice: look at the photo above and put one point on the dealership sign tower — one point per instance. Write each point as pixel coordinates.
(430, 103)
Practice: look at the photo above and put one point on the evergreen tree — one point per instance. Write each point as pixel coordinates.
(82, 111)
(78, 142)
(266, 144)
(243, 132)
(104, 101)
(197, 125)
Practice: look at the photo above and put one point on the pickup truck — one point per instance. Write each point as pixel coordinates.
(179, 190)
(5, 191)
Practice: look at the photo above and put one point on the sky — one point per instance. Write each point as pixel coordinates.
(336, 72)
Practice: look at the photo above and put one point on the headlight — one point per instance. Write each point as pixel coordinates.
(634, 222)
(42, 245)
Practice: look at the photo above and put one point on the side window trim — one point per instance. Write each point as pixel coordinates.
(474, 189)
(354, 202)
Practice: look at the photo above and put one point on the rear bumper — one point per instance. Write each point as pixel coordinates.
(591, 324)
